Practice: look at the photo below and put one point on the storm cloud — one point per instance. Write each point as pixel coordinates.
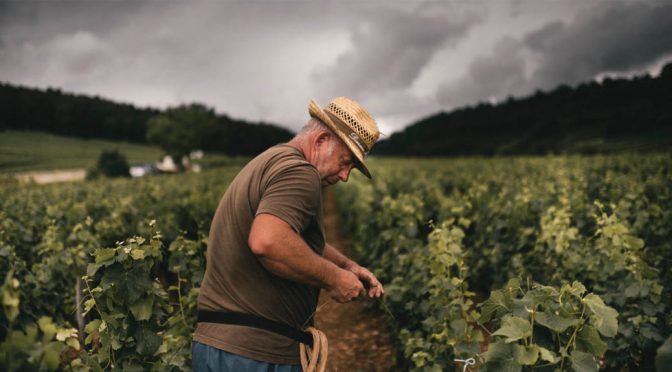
(265, 60)
(622, 39)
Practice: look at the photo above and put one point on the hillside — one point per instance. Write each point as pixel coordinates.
(22, 151)
(72, 115)
(613, 116)
(27, 151)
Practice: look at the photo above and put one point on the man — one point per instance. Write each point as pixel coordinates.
(267, 255)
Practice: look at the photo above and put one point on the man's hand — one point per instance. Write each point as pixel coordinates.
(345, 287)
(370, 282)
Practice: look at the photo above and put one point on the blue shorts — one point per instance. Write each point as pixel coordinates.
(205, 358)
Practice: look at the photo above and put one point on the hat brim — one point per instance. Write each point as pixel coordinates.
(315, 111)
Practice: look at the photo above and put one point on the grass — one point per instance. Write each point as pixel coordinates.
(28, 151)
(33, 151)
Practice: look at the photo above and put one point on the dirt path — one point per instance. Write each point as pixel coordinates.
(358, 339)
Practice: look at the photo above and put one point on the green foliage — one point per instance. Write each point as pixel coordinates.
(664, 355)
(51, 236)
(130, 305)
(599, 221)
(112, 163)
(38, 345)
(602, 221)
(182, 129)
(544, 326)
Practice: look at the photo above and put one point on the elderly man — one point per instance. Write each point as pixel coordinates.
(267, 255)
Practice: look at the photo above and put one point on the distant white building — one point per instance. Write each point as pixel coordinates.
(142, 170)
(196, 155)
(167, 165)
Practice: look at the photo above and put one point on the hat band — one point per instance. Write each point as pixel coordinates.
(353, 136)
(350, 133)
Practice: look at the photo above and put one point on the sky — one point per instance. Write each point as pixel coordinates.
(265, 60)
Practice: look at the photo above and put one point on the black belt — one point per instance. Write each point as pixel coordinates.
(254, 321)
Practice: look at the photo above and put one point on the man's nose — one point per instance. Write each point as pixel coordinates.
(344, 174)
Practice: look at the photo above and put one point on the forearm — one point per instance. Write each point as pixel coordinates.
(339, 259)
(291, 258)
(284, 253)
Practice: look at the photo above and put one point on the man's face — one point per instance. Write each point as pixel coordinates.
(335, 161)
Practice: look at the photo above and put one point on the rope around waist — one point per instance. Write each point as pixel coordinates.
(313, 345)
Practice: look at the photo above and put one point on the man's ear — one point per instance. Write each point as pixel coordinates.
(322, 138)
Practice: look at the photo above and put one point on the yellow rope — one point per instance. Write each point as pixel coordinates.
(314, 359)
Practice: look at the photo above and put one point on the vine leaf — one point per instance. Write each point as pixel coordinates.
(497, 303)
(527, 356)
(589, 340)
(147, 341)
(514, 328)
(583, 362)
(604, 317)
(664, 355)
(548, 355)
(142, 309)
(554, 322)
(501, 357)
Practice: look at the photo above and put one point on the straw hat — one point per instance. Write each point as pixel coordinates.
(352, 124)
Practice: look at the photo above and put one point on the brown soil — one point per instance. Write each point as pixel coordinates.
(359, 339)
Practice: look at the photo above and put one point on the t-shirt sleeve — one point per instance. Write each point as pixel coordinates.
(293, 195)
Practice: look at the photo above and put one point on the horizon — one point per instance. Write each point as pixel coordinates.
(263, 62)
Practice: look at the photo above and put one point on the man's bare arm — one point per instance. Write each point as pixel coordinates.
(375, 288)
(282, 251)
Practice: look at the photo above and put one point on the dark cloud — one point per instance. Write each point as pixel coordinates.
(264, 60)
(622, 37)
(616, 37)
(490, 77)
(390, 49)
(388, 52)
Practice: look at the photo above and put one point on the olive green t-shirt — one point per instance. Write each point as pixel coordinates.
(279, 182)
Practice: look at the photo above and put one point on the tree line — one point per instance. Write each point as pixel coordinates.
(612, 116)
(177, 130)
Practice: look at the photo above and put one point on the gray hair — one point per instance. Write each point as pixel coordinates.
(314, 125)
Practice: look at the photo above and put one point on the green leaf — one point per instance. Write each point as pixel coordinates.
(633, 242)
(142, 309)
(548, 355)
(47, 327)
(147, 341)
(64, 333)
(527, 356)
(498, 303)
(501, 357)
(554, 322)
(521, 306)
(92, 326)
(73, 343)
(589, 340)
(583, 362)
(514, 328)
(138, 283)
(604, 317)
(664, 355)
(138, 254)
(51, 358)
(88, 305)
(632, 290)
(104, 255)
